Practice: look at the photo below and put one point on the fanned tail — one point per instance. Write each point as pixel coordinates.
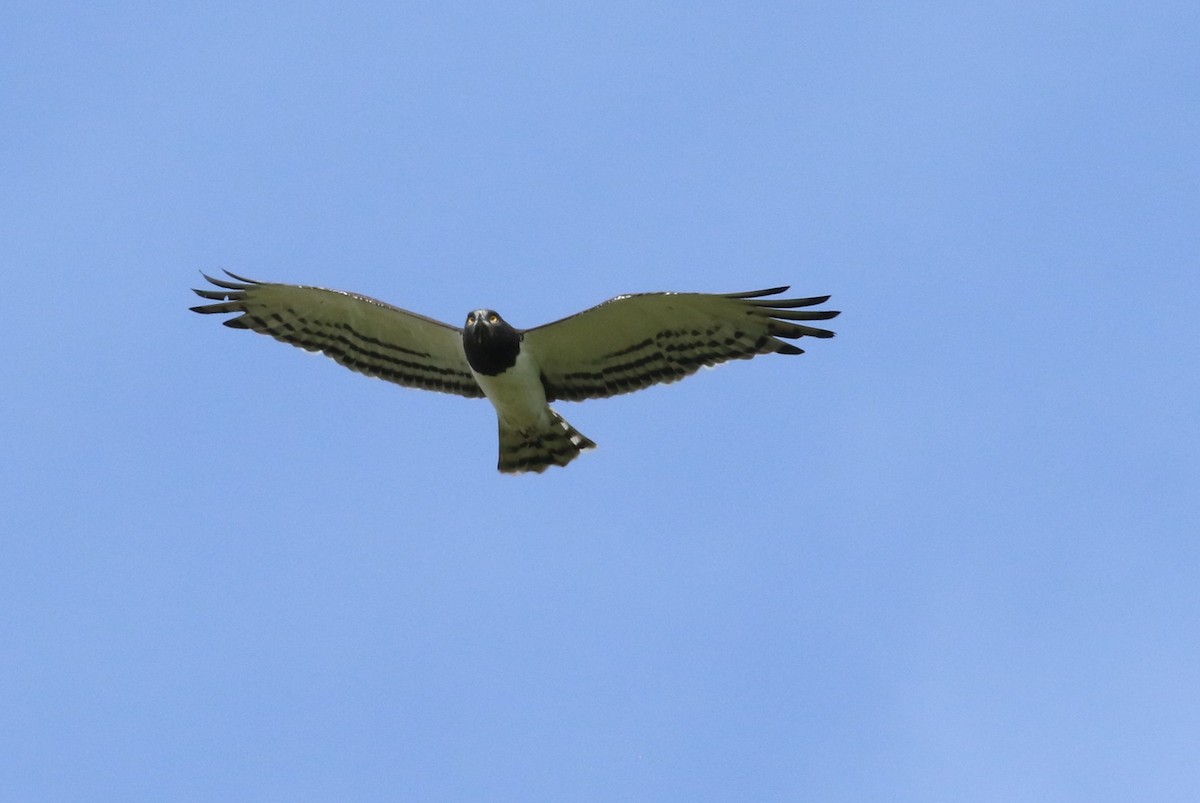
(554, 444)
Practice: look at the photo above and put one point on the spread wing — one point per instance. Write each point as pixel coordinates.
(363, 334)
(635, 341)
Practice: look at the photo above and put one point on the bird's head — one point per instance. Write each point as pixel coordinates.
(490, 343)
(483, 325)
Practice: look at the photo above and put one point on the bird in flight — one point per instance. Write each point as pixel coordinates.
(625, 344)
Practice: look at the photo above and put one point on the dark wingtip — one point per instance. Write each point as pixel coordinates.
(820, 315)
(241, 283)
(240, 278)
(771, 291)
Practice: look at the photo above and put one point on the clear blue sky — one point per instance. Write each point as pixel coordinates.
(951, 554)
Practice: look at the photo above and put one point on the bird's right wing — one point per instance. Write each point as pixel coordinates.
(363, 334)
(635, 341)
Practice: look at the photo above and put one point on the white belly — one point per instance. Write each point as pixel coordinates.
(517, 394)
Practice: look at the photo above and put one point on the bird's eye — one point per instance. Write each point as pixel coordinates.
(493, 318)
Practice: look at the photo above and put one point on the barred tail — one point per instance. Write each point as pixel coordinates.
(555, 444)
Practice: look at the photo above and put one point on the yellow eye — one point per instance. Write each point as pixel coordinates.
(493, 318)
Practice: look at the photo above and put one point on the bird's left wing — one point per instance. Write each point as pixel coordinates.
(363, 334)
(635, 341)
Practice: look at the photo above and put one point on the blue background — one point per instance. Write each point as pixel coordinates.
(951, 554)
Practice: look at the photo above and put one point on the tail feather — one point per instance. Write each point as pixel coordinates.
(555, 444)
